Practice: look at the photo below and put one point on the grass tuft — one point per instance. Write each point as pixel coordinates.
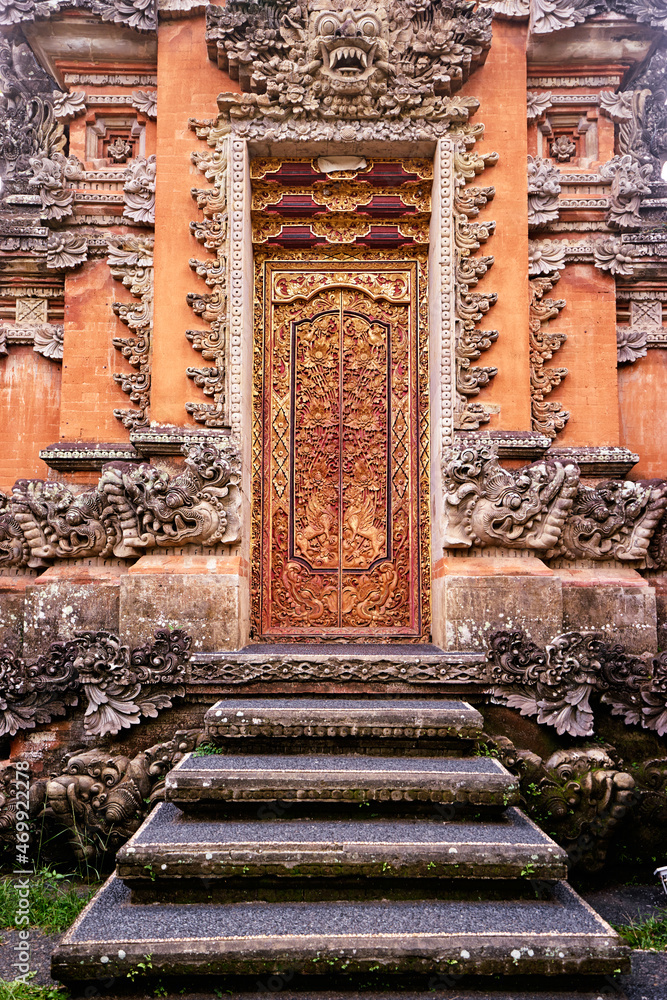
(649, 934)
(16, 989)
(55, 902)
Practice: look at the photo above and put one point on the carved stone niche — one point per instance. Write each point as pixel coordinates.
(113, 140)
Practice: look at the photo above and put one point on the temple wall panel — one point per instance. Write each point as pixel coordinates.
(89, 393)
(589, 390)
(29, 401)
(641, 386)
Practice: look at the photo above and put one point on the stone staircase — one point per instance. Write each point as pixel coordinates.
(337, 837)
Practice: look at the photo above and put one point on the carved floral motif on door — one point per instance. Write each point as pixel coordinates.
(341, 449)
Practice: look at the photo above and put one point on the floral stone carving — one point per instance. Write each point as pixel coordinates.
(365, 62)
(549, 417)
(629, 181)
(556, 684)
(131, 261)
(138, 14)
(543, 191)
(134, 509)
(518, 509)
(139, 191)
(119, 687)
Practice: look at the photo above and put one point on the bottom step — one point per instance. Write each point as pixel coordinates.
(562, 935)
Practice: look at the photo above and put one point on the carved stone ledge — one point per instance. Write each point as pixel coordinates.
(77, 456)
(141, 15)
(526, 445)
(149, 441)
(596, 461)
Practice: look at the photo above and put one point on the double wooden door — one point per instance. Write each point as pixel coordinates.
(341, 451)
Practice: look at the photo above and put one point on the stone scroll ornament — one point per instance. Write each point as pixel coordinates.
(119, 686)
(355, 61)
(557, 684)
(133, 510)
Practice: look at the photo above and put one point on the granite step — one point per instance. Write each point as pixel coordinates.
(379, 718)
(217, 780)
(558, 935)
(170, 845)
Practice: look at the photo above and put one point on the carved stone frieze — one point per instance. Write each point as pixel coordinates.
(139, 191)
(613, 520)
(556, 684)
(212, 307)
(543, 190)
(470, 305)
(138, 14)
(134, 509)
(629, 181)
(486, 504)
(394, 58)
(548, 416)
(118, 687)
(131, 261)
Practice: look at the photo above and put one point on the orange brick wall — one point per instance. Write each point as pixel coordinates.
(642, 388)
(29, 401)
(589, 391)
(89, 393)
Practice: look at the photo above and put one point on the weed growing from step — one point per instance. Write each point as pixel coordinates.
(649, 934)
(16, 989)
(54, 902)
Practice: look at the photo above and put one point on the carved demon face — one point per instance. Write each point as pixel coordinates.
(348, 45)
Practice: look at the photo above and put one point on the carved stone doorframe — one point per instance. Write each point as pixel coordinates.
(441, 303)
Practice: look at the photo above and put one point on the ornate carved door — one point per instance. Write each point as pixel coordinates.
(341, 450)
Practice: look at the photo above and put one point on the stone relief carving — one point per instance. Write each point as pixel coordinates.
(519, 509)
(583, 796)
(613, 520)
(131, 261)
(99, 798)
(543, 190)
(52, 176)
(545, 507)
(68, 105)
(138, 14)
(118, 687)
(28, 127)
(139, 191)
(212, 307)
(556, 684)
(471, 306)
(134, 509)
(398, 57)
(644, 330)
(629, 181)
(146, 102)
(563, 148)
(549, 417)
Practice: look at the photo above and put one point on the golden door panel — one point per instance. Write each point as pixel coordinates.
(340, 463)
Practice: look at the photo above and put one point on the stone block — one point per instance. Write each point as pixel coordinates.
(12, 610)
(617, 602)
(659, 586)
(68, 599)
(475, 597)
(207, 596)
